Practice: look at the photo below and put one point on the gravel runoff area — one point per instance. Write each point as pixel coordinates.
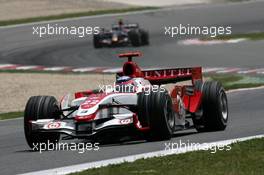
(16, 88)
(17, 9)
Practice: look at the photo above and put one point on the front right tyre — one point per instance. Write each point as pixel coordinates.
(96, 41)
(40, 107)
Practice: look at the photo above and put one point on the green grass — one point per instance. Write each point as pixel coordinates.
(11, 115)
(226, 78)
(73, 15)
(250, 36)
(244, 158)
(235, 81)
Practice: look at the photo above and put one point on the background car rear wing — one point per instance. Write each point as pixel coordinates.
(158, 76)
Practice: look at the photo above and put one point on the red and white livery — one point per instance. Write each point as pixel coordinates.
(137, 105)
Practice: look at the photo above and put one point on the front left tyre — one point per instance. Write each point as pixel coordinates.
(40, 107)
(135, 38)
(144, 37)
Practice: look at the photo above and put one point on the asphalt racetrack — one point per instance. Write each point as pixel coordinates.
(246, 119)
(19, 46)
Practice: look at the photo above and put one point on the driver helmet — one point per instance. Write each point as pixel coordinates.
(123, 79)
(120, 22)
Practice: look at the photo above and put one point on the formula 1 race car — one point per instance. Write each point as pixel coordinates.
(121, 35)
(137, 105)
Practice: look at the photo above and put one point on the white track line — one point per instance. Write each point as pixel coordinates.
(55, 68)
(132, 158)
(245, 89)
(87, 17)
(217, 70)
(113, 70)
(27, 67)
(126, 13)
(249, 71)
(228, 70)
(6, 120)
(197, 41)
(84, 69)
(208, 70)
(3, 66)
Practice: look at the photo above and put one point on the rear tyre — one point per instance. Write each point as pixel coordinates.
(214, 108)
(40, 107)
(96, 41)
(135, 38)
(156, 110)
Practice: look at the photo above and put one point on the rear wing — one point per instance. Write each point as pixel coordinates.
(158, 76)
(174, 75)
(171, 75)
(127, 26)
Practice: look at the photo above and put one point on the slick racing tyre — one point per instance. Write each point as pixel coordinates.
(135, 38)
(156, 110)
(144, 37)
(214, 108)
(40, 107)
(96, 41)
(143, 114)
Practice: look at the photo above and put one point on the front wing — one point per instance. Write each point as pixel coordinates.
(86, 129)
